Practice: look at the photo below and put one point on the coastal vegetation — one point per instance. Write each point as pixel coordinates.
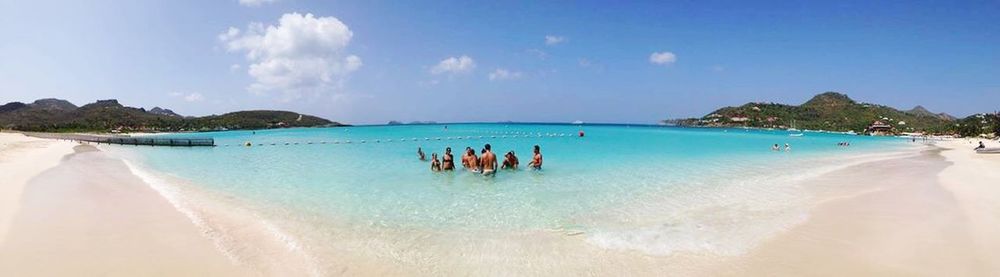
(56, 115)
(834, 111)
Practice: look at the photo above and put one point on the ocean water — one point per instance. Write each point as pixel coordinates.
(324, 192)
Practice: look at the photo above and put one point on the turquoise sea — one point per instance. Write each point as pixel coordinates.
(651, 189)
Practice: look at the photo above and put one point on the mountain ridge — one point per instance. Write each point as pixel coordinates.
(57, 115)
(832, 111)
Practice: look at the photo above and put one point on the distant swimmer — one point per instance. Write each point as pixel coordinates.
(775, 147)
(536, 161)
(489, 161)
(447, 161)
(420, 154)
(788, 147)
(581, 133)
(509, 161)
(435, 164)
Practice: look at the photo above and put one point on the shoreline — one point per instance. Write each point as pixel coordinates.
(21, 159)
(88, 215)
(855, 227)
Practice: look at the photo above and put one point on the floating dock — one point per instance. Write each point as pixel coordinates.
(123, 140)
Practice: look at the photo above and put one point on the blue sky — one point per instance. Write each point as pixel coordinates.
(611, 61)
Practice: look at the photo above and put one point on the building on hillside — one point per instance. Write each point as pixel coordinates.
(878, 128)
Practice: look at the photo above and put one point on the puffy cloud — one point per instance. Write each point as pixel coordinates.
(662, 58)
(454, 65)
(502, 74)
(553, 40)
(301, 54)
(256, 3)
(189, 97)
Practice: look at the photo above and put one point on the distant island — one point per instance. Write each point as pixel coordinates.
(57, 115)
(832, 111)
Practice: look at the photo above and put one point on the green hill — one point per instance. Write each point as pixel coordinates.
(54, 115)
(827, 111)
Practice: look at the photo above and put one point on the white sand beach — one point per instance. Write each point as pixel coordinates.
(932, 215)
(79, 212)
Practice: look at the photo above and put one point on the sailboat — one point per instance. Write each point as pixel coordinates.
(792, 129)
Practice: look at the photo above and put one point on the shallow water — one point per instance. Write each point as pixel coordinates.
(653, 189)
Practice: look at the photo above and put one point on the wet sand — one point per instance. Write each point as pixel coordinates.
(89, 216)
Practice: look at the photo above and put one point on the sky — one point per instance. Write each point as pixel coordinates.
(369, 62)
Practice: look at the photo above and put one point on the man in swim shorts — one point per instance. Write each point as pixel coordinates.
(489, 161)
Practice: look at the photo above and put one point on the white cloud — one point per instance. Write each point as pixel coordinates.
(234, 67)
(662, 58)
(189, 97)
(301, 54)
(454, 65)
(553, 40)
(502, 74)
(256, 3)
(537, 53)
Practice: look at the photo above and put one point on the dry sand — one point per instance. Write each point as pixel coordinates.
(89, 216)
(937, 214)
(21, 158)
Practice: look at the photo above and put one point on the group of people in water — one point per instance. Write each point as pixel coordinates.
(775, 147)
(486, 163)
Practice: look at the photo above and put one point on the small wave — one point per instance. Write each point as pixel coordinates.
(727, 221)
(231, 236)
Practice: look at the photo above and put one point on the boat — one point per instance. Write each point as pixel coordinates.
(578, 122)
(994, 150)
(796, 135)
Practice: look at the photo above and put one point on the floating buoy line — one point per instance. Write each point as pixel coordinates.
(488, 135)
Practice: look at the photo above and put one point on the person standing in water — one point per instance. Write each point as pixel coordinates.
(509, 161)
(536, 161)
(471, 161)
(435, 164)
(420, 154)
(447, 161)
(788, 147)
(775, 147)
(489, 161)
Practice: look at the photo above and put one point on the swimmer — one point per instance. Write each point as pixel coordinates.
(420, 154)
(435, 164)
(581, 133)
(489, 161)
(775, 147)
(536, 161)
(509, 161)
(788, 147)
(447, 161)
